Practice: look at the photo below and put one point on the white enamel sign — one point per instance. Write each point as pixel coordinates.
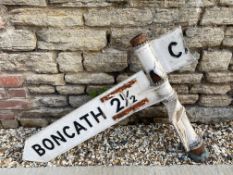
(171, 51)
(109, 108)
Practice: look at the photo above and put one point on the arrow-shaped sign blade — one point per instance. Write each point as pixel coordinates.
(107, 109)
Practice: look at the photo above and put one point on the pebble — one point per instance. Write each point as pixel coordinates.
(154, 144)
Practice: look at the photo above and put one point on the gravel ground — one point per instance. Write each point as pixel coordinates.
(155, 144)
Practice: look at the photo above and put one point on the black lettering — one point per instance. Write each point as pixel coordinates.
(59, 137)
(48, 144)
(119, 106)
(98, 115)
(65, 132)
(133, 98)
(79, 127)
(39, 150)
(171, 51)
(86, 119)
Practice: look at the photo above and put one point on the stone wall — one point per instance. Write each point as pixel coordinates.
(54, 54)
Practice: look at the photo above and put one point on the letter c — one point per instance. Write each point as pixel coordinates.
(65, 132)
(170, 46)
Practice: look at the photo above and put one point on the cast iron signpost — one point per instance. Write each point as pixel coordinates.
(158, 57)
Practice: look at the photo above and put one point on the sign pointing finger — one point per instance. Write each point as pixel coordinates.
(116, 104)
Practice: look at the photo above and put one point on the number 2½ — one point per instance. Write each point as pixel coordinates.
(119, 106)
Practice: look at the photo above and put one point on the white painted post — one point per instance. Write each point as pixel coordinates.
(177, 114)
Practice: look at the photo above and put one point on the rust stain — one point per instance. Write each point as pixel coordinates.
(118, 90)
(199, 150)
(131, 109)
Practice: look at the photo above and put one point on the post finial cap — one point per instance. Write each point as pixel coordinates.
(139, 39)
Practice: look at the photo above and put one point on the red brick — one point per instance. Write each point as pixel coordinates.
(8, 120)
(15, 104)
(19, 92)
(7, 116)
(11, 80)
